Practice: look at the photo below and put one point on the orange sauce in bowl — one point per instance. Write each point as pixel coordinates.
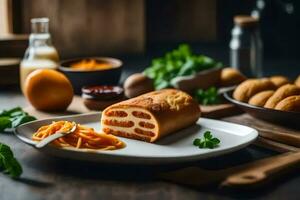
(90, 64)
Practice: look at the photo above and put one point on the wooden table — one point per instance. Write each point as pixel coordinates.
(55, 179)
(52, 178)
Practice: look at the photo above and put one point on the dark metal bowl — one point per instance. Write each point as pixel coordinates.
(80, 78)
(286, 118)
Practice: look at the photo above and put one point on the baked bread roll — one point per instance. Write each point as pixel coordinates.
(291, 103)
(297, 81)
(137, 84)
(151, 116)
(279, 81)
(281, 93)
(261, 98)
(251, 87)
(231, 76)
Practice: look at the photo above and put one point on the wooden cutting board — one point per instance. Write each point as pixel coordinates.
(272, 131)
(77, 107)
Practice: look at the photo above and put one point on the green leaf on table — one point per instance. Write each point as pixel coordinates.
(5, 123)
(12, 167)
(8, 163)
(10, 112)
(21, 120)
(5, 150)
(13, 118)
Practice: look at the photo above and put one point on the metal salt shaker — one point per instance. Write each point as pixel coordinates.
(246, 48)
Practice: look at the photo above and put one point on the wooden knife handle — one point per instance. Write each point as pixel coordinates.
(261, 170)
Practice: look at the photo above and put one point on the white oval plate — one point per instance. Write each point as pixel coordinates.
(177, 147)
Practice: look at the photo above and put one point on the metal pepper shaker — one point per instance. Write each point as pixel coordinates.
(246, 48)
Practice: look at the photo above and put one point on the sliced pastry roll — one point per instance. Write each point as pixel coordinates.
(151, 116)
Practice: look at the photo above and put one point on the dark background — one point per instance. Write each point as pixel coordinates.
(280, 30)
(146, 25)
(136, 31)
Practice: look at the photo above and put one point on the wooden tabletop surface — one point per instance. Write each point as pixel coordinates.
(52, 178)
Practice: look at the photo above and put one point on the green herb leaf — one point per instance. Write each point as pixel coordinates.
(5, 123)
(207, 135)
(215, 140)
(8, 163)
(197, 142)
(13, 118)
(208, 141)
(208, 97)
(21, 120)
(5, 150)
(210, 145)
(178, 62)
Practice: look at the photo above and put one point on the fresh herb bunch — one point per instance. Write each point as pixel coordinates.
(208, 141)
(13, 118)
(178, 62)
(208, 97)
(8, 163)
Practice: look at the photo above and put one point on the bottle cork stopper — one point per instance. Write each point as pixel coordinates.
(245, 21)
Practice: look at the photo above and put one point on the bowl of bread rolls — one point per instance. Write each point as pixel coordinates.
(275, 99)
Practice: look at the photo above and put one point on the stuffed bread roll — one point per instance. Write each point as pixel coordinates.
(151, 116)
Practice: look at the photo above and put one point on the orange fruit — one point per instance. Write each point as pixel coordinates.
(48, 90)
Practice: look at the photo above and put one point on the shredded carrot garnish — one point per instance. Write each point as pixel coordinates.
(82, 138)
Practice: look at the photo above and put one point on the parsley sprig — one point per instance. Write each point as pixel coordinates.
(8, 163)
(208, 141)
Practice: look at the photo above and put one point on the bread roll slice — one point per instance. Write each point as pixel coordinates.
(281, 93)
(291, 103)
(279, 80)
(297, 81)
(261, 98)
(151, 116)
(250, 87)
(231, 76)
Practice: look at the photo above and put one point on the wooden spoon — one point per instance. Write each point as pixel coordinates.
(261, 170)
(249, 174)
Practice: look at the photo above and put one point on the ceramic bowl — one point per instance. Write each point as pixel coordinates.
(80, 78)
(286, 118)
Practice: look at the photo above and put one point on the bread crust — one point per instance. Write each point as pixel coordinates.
(281, 93)
(231, 76)
(291, 103)
(297, 81)
(137, 84)
(171, 110)
(250, 87)
(261, 98)
(279, 81)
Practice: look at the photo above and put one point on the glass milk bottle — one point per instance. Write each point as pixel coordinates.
(246, 48)
(41, 53)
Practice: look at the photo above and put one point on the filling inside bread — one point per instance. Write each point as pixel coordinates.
(136, 123)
